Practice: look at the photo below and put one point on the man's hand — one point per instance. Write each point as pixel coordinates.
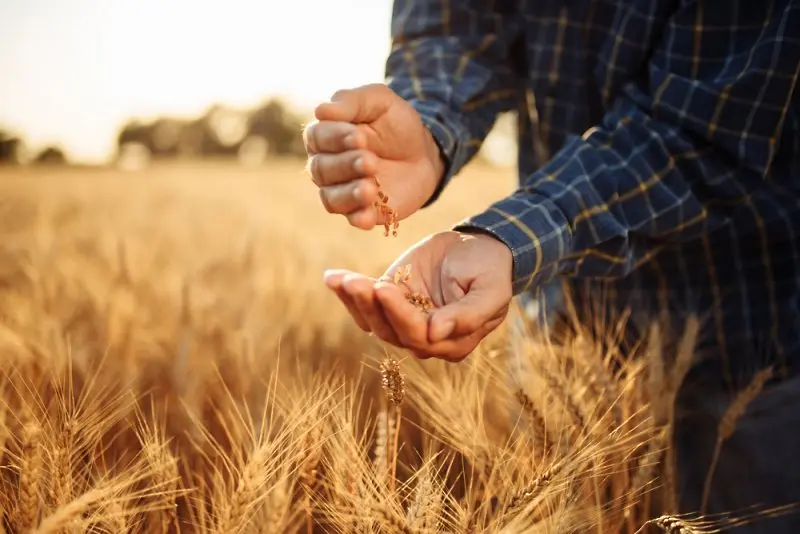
(468, 278)
(371, 132)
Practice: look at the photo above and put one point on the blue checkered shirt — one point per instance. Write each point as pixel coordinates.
(659, 140)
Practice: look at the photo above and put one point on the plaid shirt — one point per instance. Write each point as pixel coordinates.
(659, 147)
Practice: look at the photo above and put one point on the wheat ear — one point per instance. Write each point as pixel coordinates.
(29, 477)
(394, 387)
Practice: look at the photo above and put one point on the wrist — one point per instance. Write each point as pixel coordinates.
(480, 233)
(435, 156)
(499, 246)
(500, 249)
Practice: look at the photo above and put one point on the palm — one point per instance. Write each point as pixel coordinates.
(398, 138)
(419, 270)
(398, 134)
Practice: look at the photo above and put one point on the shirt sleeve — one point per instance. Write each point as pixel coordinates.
(450, 59)
(672, 160)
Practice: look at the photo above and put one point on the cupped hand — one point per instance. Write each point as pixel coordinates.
(468, 278)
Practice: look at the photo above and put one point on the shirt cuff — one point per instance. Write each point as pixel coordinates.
(535, 230)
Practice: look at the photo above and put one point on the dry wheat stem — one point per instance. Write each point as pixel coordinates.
(680, 368)
(727, 425)
(380, 461)
(71, 511)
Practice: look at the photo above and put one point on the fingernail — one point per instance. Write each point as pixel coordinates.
(357, 193)
(350, 141)
(441, 331)
(358, 165)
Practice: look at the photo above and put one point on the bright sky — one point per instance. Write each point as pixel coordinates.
(74, 70)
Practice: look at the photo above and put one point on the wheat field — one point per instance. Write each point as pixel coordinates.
(171, 362)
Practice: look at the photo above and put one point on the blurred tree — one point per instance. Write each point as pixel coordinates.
(226, 129)
(164, 136)
(134, 131)
(270, 129)
(11, 148)
(161, 137)
(51, 155)
(281, 129)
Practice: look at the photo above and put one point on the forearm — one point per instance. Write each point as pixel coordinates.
(451, 61)
(609, 199)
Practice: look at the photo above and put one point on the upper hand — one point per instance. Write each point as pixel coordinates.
(371, 132)
(468, 278)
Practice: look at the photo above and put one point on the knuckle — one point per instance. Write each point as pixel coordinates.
(339, 95)
(369, 191)
(308, 137)
(317, 170)
(368, 163)
(378, 87)
(323, 196)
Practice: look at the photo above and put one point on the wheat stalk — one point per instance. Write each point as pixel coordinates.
(727, 425)
(71, 511)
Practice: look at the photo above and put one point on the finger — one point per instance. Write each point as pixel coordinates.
(331, 169)
(327, 137)
(365, 218)
(333, 279)
(409, 324)
(468, 314)
(362, 290)
(363, 104)
(352, 309)
(350, 197)
(456, 349)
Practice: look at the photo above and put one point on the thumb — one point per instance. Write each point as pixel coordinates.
(360, 105)
(466, 315)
